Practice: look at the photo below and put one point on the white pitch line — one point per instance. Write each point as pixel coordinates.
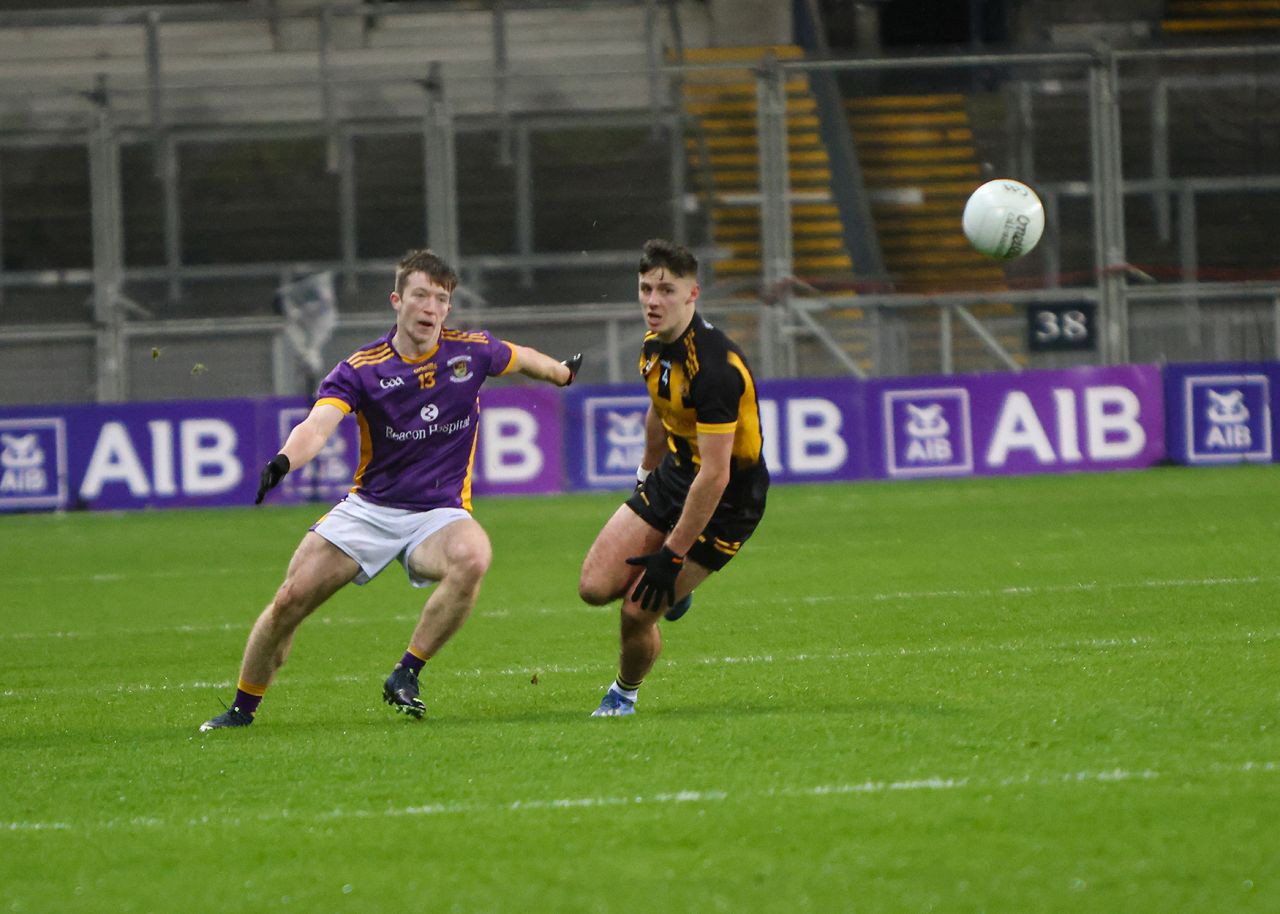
(935, 784)
(1080, 587)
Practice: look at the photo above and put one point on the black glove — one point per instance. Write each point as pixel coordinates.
(656, 589)
(272, 473)
(573, 364)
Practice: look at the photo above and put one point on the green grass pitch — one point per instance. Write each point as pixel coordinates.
(1007, 695)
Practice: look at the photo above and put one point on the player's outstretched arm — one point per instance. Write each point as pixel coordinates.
(542, 367)
(304, 442)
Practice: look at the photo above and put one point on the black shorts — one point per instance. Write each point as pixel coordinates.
(660, 498)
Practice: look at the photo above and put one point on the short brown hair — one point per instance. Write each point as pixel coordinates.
(658, 252)
(425, 260)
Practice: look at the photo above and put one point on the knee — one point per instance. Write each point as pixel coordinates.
(590, 593)
(290, 606)
(469, 562)
(594, 589)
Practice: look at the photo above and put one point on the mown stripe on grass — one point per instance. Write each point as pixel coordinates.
(1020, 646)
(850, 597)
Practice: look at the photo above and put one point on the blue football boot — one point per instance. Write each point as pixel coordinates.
(614, 704)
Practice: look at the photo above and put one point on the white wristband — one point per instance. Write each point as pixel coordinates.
(642, 474)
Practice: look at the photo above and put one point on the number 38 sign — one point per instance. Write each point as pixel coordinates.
(1062, 327)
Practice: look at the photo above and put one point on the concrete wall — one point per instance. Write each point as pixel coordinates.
(749, 22)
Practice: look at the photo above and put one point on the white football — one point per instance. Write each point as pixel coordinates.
(1003, 219)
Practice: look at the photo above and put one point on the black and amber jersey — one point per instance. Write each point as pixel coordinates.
(701, 383)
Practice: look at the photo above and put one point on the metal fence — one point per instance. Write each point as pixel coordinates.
(1157, 168)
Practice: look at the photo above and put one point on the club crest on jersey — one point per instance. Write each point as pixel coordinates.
(429, 413)
(460, 368)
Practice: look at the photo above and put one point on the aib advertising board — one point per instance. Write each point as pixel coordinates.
(536, 439)
(811, 429)
(1030, 422)
(209, 453)
(1222, 412)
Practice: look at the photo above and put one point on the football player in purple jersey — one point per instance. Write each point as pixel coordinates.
(414, 394)
(701, 484)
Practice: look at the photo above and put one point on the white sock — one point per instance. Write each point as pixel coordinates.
(628, 694)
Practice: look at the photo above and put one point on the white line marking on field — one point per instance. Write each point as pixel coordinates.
(936, 650)
(693, 797)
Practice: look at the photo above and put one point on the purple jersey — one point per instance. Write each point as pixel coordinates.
(418, 417)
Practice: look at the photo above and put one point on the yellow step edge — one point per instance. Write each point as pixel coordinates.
(798, 211)
(751, 159)
(801, 229)
(822, 263)
(902, 121)
(752, 265)
(807, 177)
(749, 122)
(746, 53)
(878, 175)
(738, 88)
(800, 246)
(747, 141)
(913, 137)
(803, 104)
(1221, 25)
(881, 102)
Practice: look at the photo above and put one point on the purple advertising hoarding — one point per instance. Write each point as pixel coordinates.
(209, 453)
(812, 432)
(536, 439)
(1033, 422)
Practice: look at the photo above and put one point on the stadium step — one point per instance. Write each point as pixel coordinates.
(920, 165)
(724, 158)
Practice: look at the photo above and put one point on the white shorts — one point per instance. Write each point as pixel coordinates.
(375, 536)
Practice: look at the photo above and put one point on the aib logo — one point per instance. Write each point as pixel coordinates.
(615, 438)
(927, 432)
(1229, 418)
(32, 463)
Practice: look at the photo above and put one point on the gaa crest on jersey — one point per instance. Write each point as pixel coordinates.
(1228, 418)
(927, 432)
(33, 463)
(460, 368)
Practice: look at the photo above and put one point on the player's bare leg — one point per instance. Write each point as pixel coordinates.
(458, 557)
(606, 576)
(640, 638)
(317, 570)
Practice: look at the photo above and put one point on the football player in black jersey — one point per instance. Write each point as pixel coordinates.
(702, 483)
